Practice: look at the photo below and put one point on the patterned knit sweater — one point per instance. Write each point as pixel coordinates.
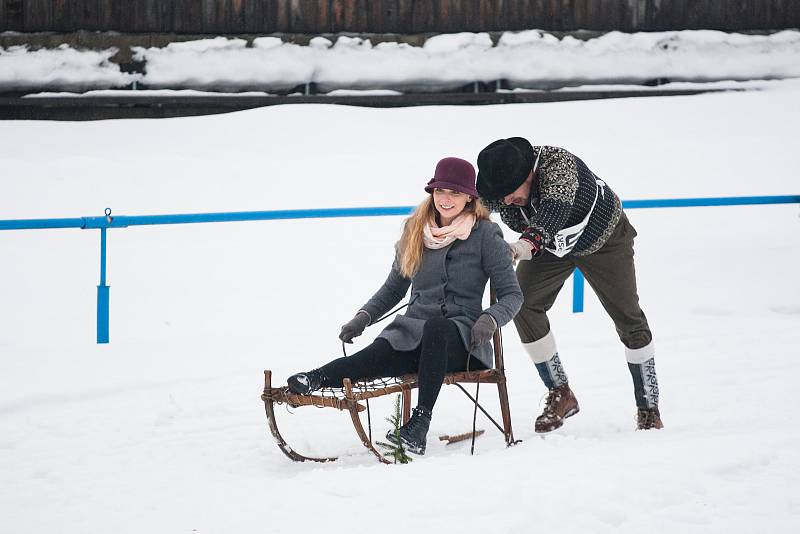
(562, 194)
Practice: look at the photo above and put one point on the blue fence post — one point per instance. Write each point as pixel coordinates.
(577, 291)
(102, 294)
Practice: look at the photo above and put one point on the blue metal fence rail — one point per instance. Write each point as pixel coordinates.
(123, 221)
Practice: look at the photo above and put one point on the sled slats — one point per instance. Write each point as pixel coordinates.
(388, 390)
(280, 395)
(491, 376)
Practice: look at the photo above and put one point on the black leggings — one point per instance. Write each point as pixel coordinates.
(441, 351)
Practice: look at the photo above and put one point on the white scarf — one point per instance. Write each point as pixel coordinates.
(435, 237)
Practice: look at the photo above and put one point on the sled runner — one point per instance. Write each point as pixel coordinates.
(354, 398)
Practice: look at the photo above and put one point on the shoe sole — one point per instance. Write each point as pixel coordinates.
(654, 427)
(393, 440)
(560, 422)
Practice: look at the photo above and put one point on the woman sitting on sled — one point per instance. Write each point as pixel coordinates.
(448, 250)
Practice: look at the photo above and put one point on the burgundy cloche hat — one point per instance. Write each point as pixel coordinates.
(455, 174)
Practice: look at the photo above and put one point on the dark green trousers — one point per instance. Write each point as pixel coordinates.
(609, 271)
(611, 274)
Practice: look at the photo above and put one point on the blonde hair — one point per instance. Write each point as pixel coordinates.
(410, 247)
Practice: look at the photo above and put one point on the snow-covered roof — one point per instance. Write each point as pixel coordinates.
(528, 59)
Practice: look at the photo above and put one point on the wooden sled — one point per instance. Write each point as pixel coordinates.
(354, 398)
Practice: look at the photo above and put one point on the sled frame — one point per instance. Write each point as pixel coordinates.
(354, 398)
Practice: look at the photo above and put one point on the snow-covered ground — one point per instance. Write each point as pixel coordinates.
(527, 59)
(163, 430)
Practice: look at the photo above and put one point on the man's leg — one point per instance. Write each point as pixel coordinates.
(611, 273)
(541, 279)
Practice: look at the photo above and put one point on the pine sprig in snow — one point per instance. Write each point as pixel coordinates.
(396, 452)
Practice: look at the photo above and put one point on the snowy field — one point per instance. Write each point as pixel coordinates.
(163, 431)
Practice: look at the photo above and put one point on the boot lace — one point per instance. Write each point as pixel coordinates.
(413, 423)
(415, 420)
(551, 398)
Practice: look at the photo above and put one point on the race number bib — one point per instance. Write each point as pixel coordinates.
(565, 239)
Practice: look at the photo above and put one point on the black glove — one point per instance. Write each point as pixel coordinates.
(355, 326)
(482, 331)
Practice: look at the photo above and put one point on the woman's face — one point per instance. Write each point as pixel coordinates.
(449, 203)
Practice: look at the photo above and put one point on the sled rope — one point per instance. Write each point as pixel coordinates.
(475, 410)
(475, 417)
(344, 351)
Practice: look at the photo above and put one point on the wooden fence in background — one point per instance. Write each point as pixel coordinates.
(392, 16)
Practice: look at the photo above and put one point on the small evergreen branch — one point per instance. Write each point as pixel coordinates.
(395, 452)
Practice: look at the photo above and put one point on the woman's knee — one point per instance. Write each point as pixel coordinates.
(439, 333)
(437, 326)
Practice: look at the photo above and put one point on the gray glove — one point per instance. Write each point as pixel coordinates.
(355, 326)
(521, 250)
(482, 331)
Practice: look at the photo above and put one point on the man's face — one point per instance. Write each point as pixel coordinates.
(521, 195)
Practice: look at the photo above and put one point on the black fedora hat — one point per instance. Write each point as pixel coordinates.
(503, 166)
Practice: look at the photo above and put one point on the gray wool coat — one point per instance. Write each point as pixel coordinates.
(451, 283)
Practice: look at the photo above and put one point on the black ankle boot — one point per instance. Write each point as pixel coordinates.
(305, 383)
(413, 434)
